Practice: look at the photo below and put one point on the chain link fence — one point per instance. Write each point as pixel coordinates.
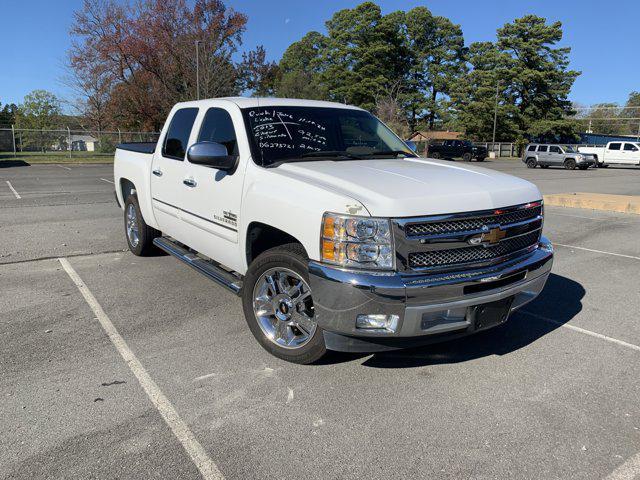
(66, 143)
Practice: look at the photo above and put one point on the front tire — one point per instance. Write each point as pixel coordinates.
(278, 305)
(531, 163)
(139, 235)
(467, 157)
(570, 164)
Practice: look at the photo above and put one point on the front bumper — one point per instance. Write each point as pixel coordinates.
(430, 307)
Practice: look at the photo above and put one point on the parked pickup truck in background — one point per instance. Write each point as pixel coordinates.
(615, 153)
(333, 232)
(565, 156)
(457, 149)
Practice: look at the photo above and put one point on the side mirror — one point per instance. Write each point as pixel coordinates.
(412, 145)
(213, 155)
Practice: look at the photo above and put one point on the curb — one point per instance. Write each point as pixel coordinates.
(595, 201)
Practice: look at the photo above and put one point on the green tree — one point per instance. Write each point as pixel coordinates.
(532, 77)
(436, 59)
(365, 54)
(598, 120)
(300, 69)
(8, 114)
(630, 115)
(40, 110)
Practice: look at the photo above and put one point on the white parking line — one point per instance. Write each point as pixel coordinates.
(628, 470)
(582, 330)
(66, 168)
(208, 469)
(13, 190)
(596, 251)
(105, 180)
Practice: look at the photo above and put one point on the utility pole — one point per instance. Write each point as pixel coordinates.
(198, 42)
(13, 135)
(495, 114)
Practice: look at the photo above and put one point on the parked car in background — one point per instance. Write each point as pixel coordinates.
(463, 149)
(615, 153)
(565, 156)
(333, 232)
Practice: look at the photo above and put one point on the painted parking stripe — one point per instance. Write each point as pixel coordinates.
(597, 251)
(629, 470)
(105, 180)
(584, 331)
(13, 190)
(208, 469)
(61, 166)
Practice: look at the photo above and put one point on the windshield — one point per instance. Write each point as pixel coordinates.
(569, 149)
(281, 134)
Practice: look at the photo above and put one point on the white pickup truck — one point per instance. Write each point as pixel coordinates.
(334, 233)
(615, 153)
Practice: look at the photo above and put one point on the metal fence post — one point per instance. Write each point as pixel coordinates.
(13, 135)
(119, 136)
(69, 133)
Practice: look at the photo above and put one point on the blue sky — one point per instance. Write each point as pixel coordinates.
(35, 36)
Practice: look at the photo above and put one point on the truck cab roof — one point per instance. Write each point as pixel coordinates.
(253, 102)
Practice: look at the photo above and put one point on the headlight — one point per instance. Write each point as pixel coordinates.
(361, 242)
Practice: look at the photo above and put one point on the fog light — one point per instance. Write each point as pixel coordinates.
(379, 322)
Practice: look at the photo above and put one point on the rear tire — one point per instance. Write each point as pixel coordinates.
(435, 155)
(467, 157)
(532, 163)
(139, 235)
(283, 322)
(570, 164)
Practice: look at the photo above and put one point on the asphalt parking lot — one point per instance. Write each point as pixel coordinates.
(553, 393)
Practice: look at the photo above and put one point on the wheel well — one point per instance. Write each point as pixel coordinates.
(261, 237)
(531, 158)
(126, 188)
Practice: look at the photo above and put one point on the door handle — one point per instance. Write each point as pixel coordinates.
(157, 172)
(189, 182)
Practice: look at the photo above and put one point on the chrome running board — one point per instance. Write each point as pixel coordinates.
(208, 268)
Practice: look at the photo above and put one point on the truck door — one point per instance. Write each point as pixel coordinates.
(168, 172)
(211, 203)
(630, 154)
(613, 153)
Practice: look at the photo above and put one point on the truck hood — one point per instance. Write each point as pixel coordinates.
(415, 186)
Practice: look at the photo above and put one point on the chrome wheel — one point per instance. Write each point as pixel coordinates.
(283, 307)
(132, 226)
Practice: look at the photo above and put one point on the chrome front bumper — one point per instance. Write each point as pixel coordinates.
(431, 307)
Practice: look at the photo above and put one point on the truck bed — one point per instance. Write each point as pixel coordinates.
(139, 147)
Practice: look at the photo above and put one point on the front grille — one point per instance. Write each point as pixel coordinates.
(470, 224)
(475, 254)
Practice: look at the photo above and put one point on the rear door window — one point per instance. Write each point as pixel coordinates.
(217, 126)
(614, 146)
(175, 143)
(542, 148)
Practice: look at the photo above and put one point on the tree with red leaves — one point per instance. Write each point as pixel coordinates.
(134, 62)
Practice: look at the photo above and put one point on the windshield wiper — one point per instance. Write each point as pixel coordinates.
(321, 155)
(390, 152)
(331, 154)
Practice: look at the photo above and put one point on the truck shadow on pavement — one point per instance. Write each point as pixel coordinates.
(560, 301)
(13, 163)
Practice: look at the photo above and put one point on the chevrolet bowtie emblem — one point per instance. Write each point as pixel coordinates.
(493, 236)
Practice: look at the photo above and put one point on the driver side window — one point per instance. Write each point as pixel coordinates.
(217, 126)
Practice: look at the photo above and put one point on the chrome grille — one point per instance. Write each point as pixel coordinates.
(455, 256)
(470, 224)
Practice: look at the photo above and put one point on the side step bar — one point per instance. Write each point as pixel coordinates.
(207, 268)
